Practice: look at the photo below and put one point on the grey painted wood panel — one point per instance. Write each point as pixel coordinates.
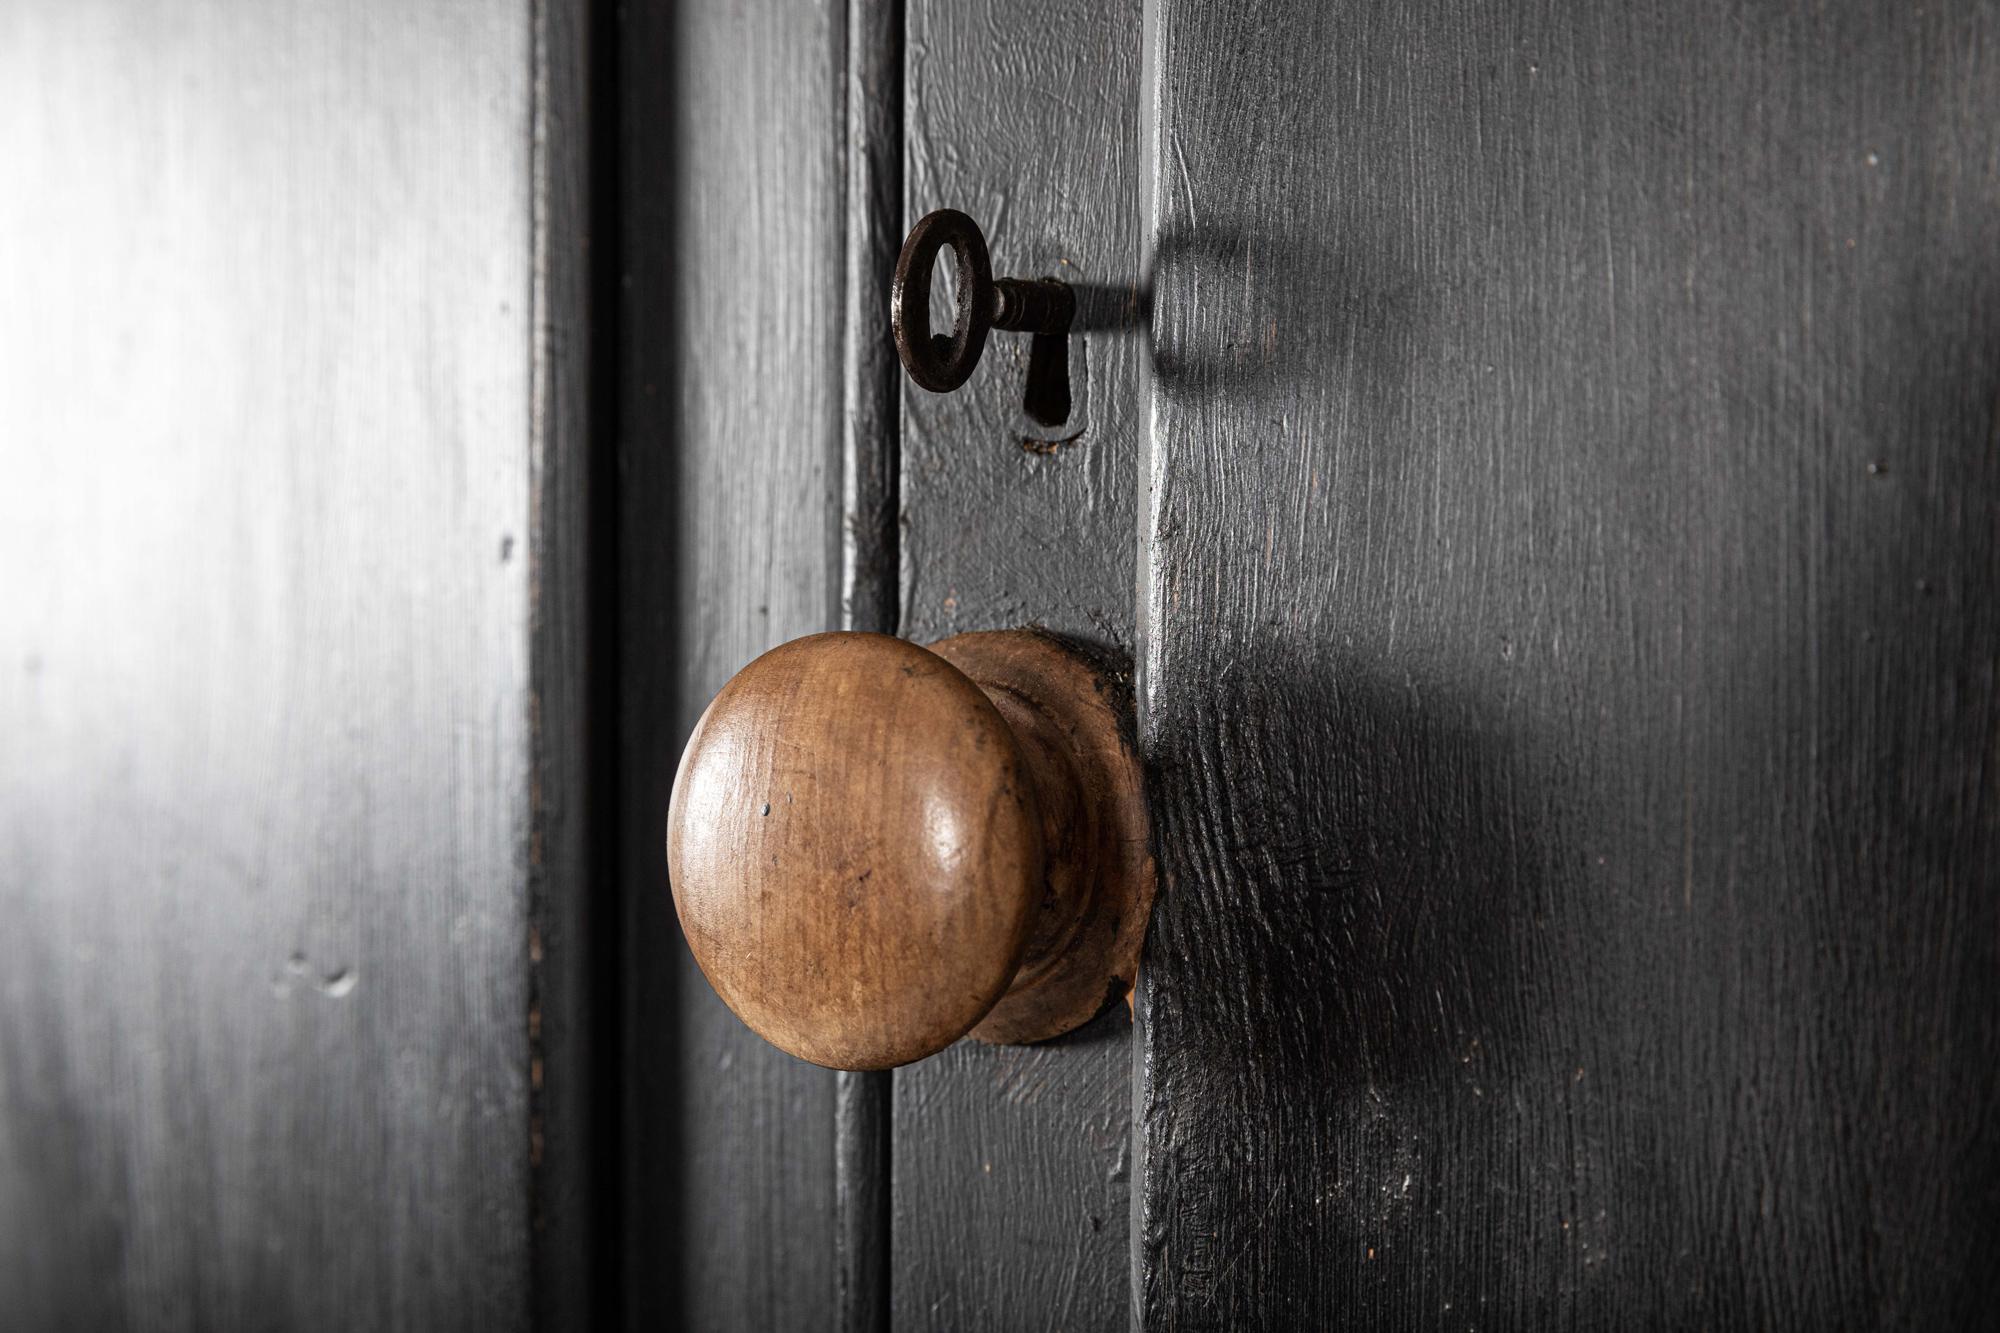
(266, 426)
(1012, 1164)
(729, 459)
(1569, 666)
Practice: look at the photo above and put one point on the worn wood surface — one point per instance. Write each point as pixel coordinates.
(1569, 666)
(857, 850)
(876, 848)
(1071, 715)
(729, 453)
(269, 432)
(1011, 1163)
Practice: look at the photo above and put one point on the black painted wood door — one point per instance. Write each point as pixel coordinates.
(1542, 464)
(1569, 584)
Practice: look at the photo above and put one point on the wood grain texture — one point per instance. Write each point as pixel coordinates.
(1569, 666)
(729, 448)
(856, 849)
(877, 848)
(1011, 1163)
(267, 435)
(1071, 714)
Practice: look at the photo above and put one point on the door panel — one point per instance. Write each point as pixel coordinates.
(1568, 665)
(1012, 1164)
(286, 423)
(727, 511)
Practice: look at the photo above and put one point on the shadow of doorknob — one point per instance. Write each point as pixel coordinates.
(876, 848)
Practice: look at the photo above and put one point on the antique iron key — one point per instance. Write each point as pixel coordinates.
(1043, 307)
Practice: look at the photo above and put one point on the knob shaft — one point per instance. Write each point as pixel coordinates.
(876, 848)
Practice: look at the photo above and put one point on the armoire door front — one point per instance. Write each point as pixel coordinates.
(1539, 466)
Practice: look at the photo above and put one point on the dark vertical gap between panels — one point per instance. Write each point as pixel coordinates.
(638, 370)
(602, 258)
(861, 1135)
(870, 556)
(569, 993)
(871, 380)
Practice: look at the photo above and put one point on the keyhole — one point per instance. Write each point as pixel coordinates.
(1046, 398)
(1046, 395)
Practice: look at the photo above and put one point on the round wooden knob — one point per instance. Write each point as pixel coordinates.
(876, 848)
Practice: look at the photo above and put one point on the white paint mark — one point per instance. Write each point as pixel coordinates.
(1187, 181)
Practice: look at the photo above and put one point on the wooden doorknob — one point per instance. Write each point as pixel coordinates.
(876, 848)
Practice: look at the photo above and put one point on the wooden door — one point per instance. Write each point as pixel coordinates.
(1540, 462)
(293, 844)
(1542, 465)
(775, 478)
(1568, 647)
